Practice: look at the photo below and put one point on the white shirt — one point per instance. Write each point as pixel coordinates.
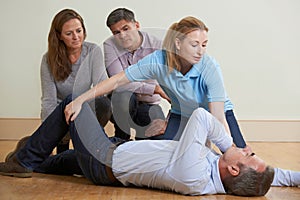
(186, 166)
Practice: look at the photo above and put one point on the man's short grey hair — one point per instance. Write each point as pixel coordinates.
(249, 182)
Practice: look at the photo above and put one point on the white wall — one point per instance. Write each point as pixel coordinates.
(256, 42)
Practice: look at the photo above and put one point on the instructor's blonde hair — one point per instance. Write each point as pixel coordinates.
(179, 30)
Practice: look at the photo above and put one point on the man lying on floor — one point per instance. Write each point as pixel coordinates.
(186, 166)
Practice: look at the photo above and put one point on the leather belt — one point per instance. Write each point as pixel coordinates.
(108, 169)
(110, 174)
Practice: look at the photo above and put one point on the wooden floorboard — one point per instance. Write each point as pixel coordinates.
(42, 186)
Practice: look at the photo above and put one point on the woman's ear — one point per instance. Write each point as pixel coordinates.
(177, 44)
(234, 170)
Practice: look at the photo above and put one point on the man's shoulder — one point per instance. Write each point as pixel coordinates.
(111, 44)
(150, 36)
(151, 40)
(109, 40)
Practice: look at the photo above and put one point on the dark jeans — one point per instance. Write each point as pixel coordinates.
(102, 108)
(92, 148)
(177, 123)
(175, 127)
(128, 113)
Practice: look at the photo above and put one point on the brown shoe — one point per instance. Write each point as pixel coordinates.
(20, 145)
(13, 168)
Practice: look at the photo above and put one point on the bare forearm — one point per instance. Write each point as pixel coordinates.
(104, 87)
(217, 110)
(226, 126)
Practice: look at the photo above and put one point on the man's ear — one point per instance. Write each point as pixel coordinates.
(137, 25)
(234, 170)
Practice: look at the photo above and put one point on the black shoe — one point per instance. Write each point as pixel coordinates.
(13, 168)
(20, 145)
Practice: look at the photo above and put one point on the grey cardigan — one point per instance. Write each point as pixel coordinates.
(86, 72)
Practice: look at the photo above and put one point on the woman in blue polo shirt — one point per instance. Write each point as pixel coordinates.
(188, 76)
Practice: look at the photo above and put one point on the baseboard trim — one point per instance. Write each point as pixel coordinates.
(253, 130)
(271, 130)
(15, 128)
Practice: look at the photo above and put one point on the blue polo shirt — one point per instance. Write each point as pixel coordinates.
(201, 85)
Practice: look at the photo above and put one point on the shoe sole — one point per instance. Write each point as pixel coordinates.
(19, 175)
(9, 155)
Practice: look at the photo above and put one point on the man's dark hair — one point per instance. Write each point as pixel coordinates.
(119, 14)
(249, 182)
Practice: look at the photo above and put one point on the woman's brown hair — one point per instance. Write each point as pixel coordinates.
(58, 60)
(179, 30)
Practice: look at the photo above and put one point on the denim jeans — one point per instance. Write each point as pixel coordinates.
(177, 123)
(101, 106)
(92, 148)
(174, 129)
(128, 113)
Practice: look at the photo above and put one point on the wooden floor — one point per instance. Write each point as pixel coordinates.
(41, 186)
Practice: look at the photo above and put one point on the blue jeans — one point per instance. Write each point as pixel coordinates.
(174, 129)
(177, 123)
(128, 113)
(102, 107)
(92, 148)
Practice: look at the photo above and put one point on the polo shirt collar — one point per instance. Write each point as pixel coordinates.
(193, 73)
